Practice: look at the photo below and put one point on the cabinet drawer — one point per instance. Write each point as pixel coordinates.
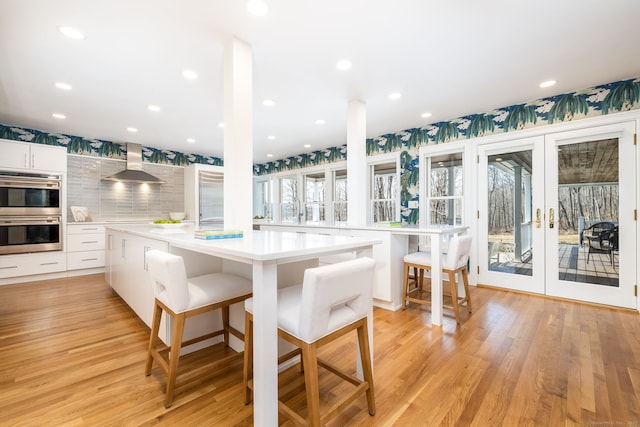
(85, 228)
(85, 242)
(30, 264)
(87, 259)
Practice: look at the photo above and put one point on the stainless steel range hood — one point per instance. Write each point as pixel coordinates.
(134, 172)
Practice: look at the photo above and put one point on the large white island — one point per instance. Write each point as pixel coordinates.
(268, 258)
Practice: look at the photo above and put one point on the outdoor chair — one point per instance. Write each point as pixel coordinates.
(601, 238)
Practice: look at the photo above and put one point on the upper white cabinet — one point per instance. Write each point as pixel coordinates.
(35, 157)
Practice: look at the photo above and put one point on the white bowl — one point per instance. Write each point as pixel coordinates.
(176, 215)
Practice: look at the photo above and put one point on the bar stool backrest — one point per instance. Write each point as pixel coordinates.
(168, 279)
(458, 254)
(335, 295)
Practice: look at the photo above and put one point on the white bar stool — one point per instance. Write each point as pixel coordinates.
(453, 262)
(181, 297)
(333, 300)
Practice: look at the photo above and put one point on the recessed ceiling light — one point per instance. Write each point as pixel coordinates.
(269, 155)
(63, 86)
(271, 137)
(188, 74)
(72, 33)
(320, 122)
(191, 140)
(395, 95)
(548, 83)
(59, 116)
(132, 129)
(153, 108)
(268, 103)
(307, 145)
(220, 124)
(343, 64)
(425, 115)
(257, 7)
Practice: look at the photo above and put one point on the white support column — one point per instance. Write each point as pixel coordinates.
(238, 136)
(357, 164)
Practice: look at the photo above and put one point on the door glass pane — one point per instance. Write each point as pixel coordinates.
(445, 193)
(314, 198)
(288, 199)
(509, 219)
(587, 217)
(384, 192)
(340, 196)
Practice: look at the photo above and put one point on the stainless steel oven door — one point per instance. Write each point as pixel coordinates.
(29, 234)
(30, 194)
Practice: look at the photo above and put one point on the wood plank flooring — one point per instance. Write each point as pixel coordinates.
(72, 354)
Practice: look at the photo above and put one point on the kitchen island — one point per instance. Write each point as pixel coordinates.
(258, 256)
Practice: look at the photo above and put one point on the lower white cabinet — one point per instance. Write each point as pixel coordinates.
(32, 264)
(85, 246)
(126, 270)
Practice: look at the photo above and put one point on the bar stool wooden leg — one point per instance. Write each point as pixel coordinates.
(153, 338)
(454, 294)
(365, 358)
(310, 360)
(174, 356)
(247, 372)
(405, 286)
(465, 281)
(225, 324)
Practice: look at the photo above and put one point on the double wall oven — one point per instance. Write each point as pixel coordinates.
(30, 213)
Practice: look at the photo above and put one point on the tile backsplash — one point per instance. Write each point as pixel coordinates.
(116, 201)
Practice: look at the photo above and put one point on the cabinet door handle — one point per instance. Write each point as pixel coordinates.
(89, 229)
(90, 241)
(33, 160)
(538, 218)
(89, 259)
(49, 263)
(109, 242)
(551, 218)
(144, 258)
(8, 267)
(124, 241)
(26, 160)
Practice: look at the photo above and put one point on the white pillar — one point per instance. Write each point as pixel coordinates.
(357, 164)
(238, 136)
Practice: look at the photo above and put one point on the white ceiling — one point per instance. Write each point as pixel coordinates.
(451, 58)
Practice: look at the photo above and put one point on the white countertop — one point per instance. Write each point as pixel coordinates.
(407, 229)
(278, 246)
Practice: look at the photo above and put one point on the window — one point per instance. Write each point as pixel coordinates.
(289, 199)
(314, 184)
(384, 192)
(445, 189)
(262, 199)
(340, 197)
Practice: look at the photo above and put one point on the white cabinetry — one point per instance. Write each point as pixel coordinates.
(126, 270)
(12, 266)
(85, 246)
(36, 157)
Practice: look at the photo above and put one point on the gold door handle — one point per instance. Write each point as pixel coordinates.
(538, 218)
(551, 218)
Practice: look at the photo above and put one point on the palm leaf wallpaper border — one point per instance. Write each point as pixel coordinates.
(599, 100)
(101, 148)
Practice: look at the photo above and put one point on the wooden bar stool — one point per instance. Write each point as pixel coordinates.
(333, 300)
(181, 297)
(453, 262)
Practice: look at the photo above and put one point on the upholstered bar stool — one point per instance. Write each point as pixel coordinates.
(333, 300)
(453, 262)
(181, 297)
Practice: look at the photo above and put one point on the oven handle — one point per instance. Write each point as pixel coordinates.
(27, 182)
(31, 220)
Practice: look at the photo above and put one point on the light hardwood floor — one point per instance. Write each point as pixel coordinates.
(71, 353)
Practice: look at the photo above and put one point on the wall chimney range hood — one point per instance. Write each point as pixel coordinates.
(134, 172)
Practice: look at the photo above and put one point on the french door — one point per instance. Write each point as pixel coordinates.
(557, 214)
